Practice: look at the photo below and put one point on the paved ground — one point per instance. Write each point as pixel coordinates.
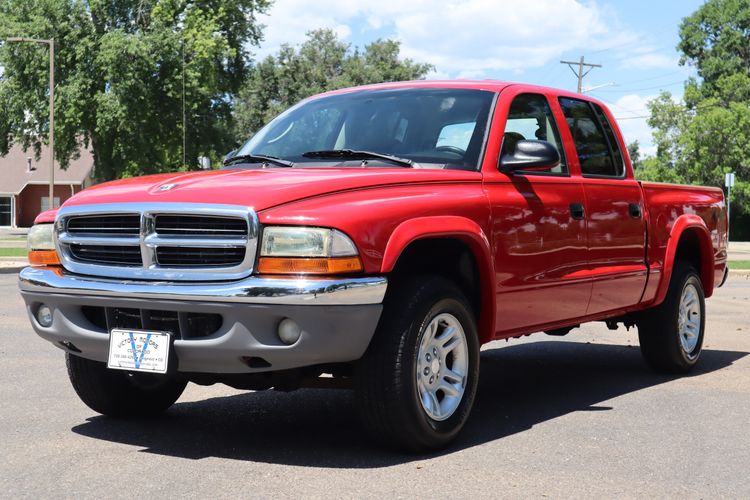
(573, 417)
(739, 250)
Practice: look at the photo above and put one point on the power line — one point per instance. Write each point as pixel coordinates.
(644, 88)
(580, 74)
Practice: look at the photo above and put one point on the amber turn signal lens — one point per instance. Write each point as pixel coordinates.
(288, 265)
(44, 258)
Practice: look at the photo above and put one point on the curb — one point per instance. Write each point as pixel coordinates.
(12, 265)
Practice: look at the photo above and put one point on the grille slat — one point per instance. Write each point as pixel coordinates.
(119, 224)
(103, 254)
(189, 257)
(201, 225)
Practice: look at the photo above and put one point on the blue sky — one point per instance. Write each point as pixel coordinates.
(518, 41)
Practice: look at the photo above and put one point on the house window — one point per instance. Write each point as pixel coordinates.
(45, 202)
(6, 211)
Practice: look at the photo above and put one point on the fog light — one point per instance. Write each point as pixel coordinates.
(44, 316)
(289, 331)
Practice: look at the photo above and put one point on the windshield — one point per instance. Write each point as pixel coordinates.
(435, 128)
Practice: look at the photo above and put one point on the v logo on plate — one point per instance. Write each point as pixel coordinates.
(138, 356)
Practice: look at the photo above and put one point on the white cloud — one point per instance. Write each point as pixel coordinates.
(650, 60)
(467, 38)
(630, 112)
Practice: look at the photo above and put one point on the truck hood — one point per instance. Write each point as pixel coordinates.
(259, 189)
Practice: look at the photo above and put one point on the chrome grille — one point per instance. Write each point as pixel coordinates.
(158, 241)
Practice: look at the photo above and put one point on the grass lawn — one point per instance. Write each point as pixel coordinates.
(12, 252)
(739, 264)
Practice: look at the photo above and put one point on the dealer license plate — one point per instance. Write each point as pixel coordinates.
(138, 350)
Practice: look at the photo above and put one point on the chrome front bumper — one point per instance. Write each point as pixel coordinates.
(253, 290)
(338, 317)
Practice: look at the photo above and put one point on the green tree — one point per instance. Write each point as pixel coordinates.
(707, 135)
(122, 68)
(321, 63)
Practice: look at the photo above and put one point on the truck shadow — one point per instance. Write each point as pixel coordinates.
(520, 386)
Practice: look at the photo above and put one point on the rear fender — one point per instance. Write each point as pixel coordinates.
(459, 228)
(684, 223)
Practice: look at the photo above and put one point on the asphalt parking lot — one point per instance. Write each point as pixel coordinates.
(578, 416)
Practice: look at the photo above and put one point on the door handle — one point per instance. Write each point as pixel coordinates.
(577, 211)
(635, 210)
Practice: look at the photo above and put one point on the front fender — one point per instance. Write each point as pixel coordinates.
(459, 228)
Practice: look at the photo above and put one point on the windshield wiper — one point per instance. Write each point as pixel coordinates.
(264, 159)
(359, 155)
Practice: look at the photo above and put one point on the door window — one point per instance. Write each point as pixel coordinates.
(5, 211)
(45, 202)
(613, 144)
(530, 118)
(591, 139)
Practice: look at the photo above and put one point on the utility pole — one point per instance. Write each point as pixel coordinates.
(580, 73)
(51, 44)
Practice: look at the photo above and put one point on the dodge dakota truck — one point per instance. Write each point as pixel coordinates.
(374, 238)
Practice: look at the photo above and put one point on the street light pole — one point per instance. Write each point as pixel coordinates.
(51, 44)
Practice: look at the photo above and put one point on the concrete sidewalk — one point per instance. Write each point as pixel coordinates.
(739, 250)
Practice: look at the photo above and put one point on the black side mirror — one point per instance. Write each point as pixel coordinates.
(530, 155)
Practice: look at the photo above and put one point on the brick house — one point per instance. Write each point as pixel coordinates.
(24, 192)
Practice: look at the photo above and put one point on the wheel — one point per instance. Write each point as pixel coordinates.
(119, 393)
(417, 381)
(671, 334)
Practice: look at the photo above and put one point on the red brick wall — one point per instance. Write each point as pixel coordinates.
(29, 201)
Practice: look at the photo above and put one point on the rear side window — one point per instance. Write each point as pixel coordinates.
(613, 144)
(590, 136)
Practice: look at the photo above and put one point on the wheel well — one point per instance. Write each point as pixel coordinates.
(689, 250)
(447, 257)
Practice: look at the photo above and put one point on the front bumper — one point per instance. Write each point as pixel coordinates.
(338, 317)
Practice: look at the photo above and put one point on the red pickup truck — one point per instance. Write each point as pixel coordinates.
(375, 237)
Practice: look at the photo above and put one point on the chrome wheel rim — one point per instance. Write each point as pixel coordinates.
(689, 319)
(442, 366)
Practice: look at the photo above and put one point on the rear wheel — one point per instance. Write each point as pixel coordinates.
(417, 381)
(671, 334)
(119, 393)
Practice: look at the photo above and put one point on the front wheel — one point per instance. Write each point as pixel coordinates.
(671, 334)
(417, 381)
(119, 393)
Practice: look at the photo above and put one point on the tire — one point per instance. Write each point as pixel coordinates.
(119, 393)
(671, 334)
(417, 381)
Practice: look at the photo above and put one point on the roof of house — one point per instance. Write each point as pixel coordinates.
(15, 175)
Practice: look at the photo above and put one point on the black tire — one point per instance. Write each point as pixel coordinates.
(119, 393)
(386, 377)
(659, 330)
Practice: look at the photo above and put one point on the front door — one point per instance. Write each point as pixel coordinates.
(538, 231)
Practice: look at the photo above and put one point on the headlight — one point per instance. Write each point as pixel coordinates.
(40, 244)
(307, 250)
(291, 241)
(41, 237)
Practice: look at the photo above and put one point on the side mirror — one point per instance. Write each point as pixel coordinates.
(530, 155)
(229, 155)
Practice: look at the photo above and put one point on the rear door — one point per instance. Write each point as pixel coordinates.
(616, 226)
